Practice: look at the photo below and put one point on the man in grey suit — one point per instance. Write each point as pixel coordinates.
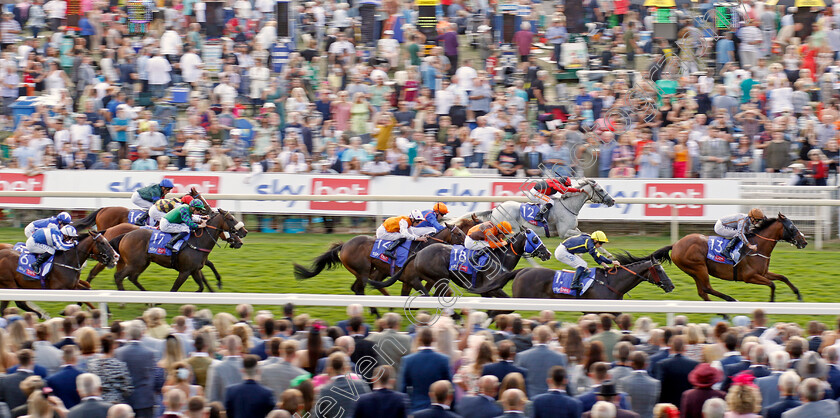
(338, 398)
(277, 372)
(92, 406)
(607, 336)
(812, 390)
(226, 372)
(390, 345)
(768, 385)
(46, 355)
(538, 360)
(141, 364)
(642, 388)
(484, 404)
(10, 391)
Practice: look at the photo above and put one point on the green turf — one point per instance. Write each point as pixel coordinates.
(264, 264)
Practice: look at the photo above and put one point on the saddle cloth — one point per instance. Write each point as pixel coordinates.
(401, 251)
(528, 212)
(26, 260)
(716, 247)
(460, 259)
(157, 243)
(562, 284)
(133, 214)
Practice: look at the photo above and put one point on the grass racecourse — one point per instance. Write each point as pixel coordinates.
(264, 265)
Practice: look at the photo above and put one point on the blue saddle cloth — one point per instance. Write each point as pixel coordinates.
(134, 214)
(158, 241)
(562, 284)
(529, 211)
(461, 259)
(716, 247)
(26, 260)
(401, 252)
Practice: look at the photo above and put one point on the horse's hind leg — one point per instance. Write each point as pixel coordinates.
(701, 280)
(759, 279)
(206, 283)
(32, 308)
(785, 280)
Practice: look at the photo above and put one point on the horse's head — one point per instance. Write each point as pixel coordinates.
(791, 233)
(597, 194)
(456, 235)
(102, 250)
(232, 229)
(656, 275)
(534, 245)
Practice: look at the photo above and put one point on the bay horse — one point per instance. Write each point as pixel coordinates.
(431, 264)
(67, 267)
(134, 246)
(689, 254)
(124, 228)
(611, 284)
(354, 255)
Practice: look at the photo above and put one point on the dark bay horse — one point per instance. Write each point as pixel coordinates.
(124, 228)
(134, 246)
(689, 254)
(354, 255)
(104, 218)
(609, 284)
(67, 266)
(432, 265)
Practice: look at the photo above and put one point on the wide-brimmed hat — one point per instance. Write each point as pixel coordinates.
(811, 365)
(704, 376)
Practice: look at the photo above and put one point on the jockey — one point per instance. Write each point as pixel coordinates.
(46, 241)
(399, 228)
(163, 206)
(179, 221)
(487, 235)
(545, 189)
(56, 222)
(432, 217)
(147, 196)
(568, 251)
(735, 226)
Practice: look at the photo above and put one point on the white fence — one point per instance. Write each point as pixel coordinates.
(669, 307)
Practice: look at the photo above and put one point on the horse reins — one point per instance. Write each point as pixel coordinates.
(614, 270)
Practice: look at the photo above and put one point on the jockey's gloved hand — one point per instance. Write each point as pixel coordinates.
(616, 263)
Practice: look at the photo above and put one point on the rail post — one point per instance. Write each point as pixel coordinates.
(675, 224)
(818, 228)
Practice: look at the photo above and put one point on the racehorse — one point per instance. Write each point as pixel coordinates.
(689, 254)
(610, 284)
(109, 216)
(562, 218)
(354, 255)
(67, 266)
(188, 262)
(125, 228)
(432, 264)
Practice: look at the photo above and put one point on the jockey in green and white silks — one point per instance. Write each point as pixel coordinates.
(180, 221)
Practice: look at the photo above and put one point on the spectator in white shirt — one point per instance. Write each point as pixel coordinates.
(751, 38)
(171, 44)
(466, 74)
(154, 140)
(56, 10)
(81, 133)
(159, 77)
(191, 66)
(224, 92)
(377, 167)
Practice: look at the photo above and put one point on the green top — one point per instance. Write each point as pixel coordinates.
(151, 193)
(414, 54)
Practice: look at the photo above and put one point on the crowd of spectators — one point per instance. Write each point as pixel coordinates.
(396, 107)
(258, 364)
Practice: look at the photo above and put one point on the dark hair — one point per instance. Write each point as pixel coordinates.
(557, 375)
(250, 362)
(107, 341)
(354, 324)
(730, 341)
(639, 360)
(268, 327)
(314, 349)
(606, 321)
(425, 336)
(198, 343)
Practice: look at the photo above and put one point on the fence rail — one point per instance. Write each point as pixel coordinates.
(669, 307)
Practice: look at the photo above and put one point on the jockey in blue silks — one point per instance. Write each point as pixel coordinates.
(56, 222)
(46, 241)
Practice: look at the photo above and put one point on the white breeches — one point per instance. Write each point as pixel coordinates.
(533, 194)
(29, 230)
(173, 228)
(140, 202)
(37, 248)
(156, 214)
(472, 244)
(426, 230)
(725, 231)
(381, 233)
(564, 256)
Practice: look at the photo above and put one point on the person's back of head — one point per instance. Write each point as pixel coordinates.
(603, 409)
(249, 366)
(196, 406)
(714, 408)
(606, 321)
(120, 410)
(788, 382)
(811, 390)
(488, 385)
(638, 360)
(730, 341)
(513, 400)
(677, 344)
(441, 392)
(758, 355)
(622, 352)
(88, 384)
(426, 337)
(174, 399)
(355, 325)
(337, 363)
(70, 354)
(557, 377)
(830, 354)
(233, 344)
(779, 360)
(542, 334)
(507, 350)
(598, 371)
(384, 377)
(392, 321)
(25, 358)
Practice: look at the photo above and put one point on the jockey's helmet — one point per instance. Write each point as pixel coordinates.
(504, 227)
(63, 217)
(756, 214)
(69, 231)
(416, 215)
(441, 208)
(186, 199)
(166, 184)
(196, 204)
(599, 236)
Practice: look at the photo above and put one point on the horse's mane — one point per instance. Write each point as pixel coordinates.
(764, 224)
(628, 258)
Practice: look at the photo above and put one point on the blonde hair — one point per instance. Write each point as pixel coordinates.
(173, 353)
(743, 399)
(694, 334)
(154, 317)
(4, 349)
(17, 335)
(513, 381)
(38, 406)
(223, 322)
(244, 332)
(88, 340)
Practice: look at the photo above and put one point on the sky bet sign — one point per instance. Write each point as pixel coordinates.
(183, 184)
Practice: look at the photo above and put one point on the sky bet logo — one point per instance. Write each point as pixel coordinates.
(339, 187)
(183, 184)
(674, 191)
(14, 182)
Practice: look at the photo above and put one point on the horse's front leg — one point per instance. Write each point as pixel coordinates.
(182, 277)
(785, 280)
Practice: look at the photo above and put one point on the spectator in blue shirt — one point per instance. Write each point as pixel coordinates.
(725, 50)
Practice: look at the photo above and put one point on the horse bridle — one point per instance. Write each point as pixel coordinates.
(451, 232)
(229, 239)
(655, 279)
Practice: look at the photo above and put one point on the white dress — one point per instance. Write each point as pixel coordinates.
(259, 80)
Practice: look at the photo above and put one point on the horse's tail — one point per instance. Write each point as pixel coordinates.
(663, 254)
(328, 260)
(496, 283)
(393, 279)
(87, 221)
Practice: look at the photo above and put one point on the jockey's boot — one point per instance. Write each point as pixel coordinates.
(141, 220)
(42, 258)
(577, 287)
(175, 238)
(727, 252)
(475, 258)
(543, 213)
(389, 249)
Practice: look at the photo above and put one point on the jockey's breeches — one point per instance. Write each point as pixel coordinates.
(140, 202)
(564, 256)
(472, 244)
(156, 214)
(38, 248)
(725, 231)
(173, 228)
